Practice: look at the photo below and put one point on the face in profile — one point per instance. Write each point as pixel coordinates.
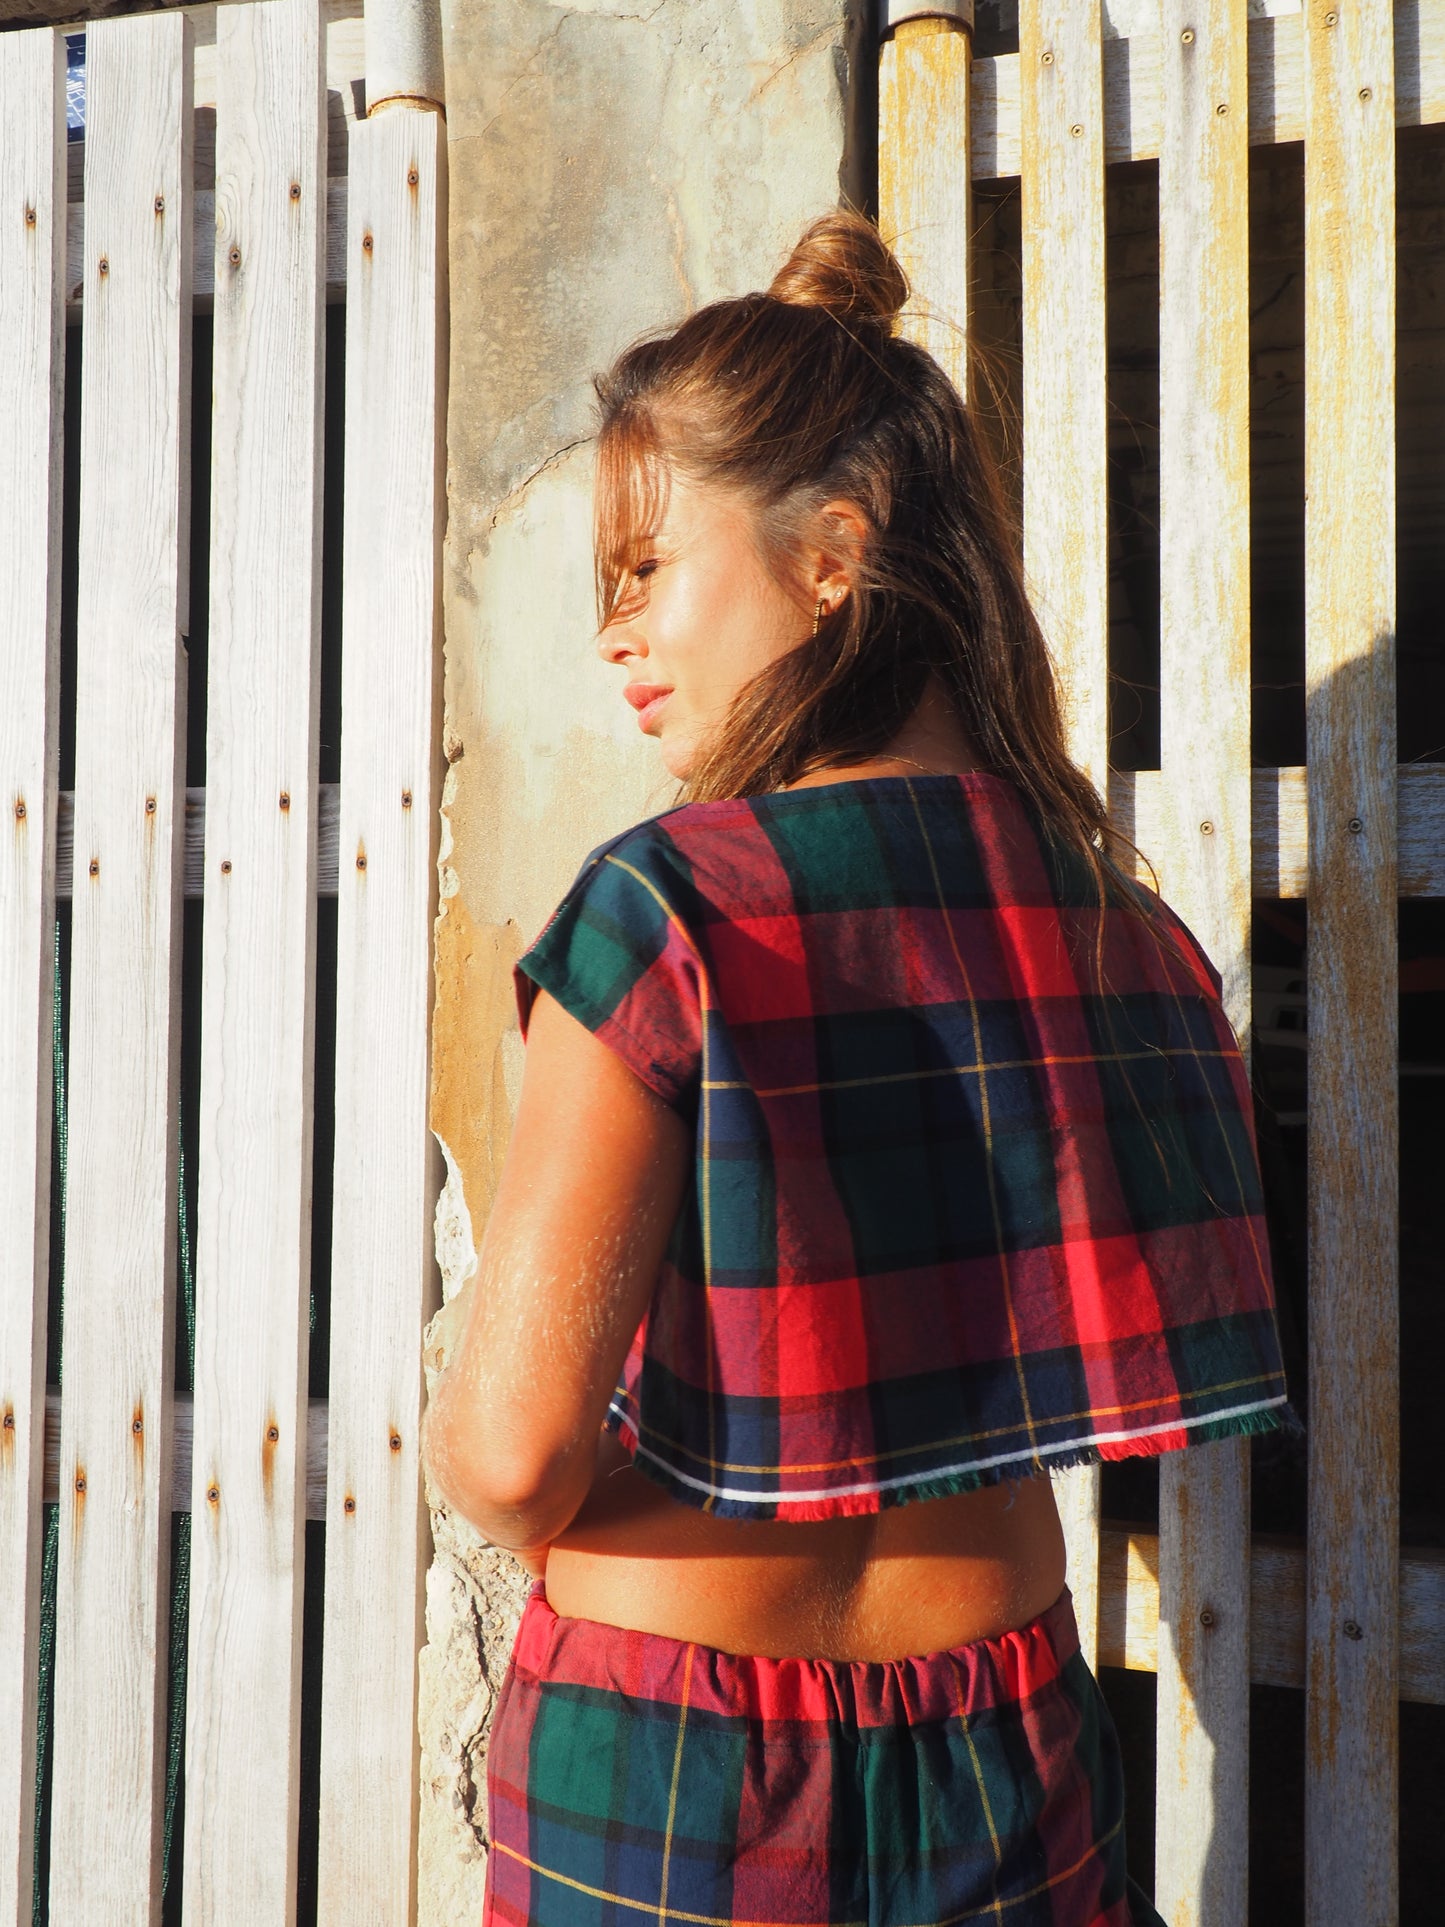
(700, 615)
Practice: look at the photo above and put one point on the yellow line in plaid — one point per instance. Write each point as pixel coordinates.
(732, 1920)
(954, 1070)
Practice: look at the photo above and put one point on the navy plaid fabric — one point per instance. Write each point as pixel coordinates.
(632, 1777)
(975, 1187)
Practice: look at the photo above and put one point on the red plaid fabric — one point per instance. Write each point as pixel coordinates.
(975, 1188)
(632, 1777)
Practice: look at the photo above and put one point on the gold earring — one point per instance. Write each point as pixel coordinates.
(818, 615)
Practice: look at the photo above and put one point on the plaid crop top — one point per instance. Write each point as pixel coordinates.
(954, 1215)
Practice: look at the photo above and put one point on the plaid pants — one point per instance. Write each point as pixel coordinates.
(632, 1776)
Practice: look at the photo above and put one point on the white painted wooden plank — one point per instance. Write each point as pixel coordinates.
(112, 1593)
(253, 1243)
(32, 327)
(1352, 1766)
(1201, 1876)
(204, 224)
(1064, 447)
(923, 181)
(387, 1174)
(1133, 98)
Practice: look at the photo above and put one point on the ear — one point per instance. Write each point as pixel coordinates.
(840, 537)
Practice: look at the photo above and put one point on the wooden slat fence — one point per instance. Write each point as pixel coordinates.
(113, 1445)
(1357, 1622)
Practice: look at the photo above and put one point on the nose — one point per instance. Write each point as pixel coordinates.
(616, 642)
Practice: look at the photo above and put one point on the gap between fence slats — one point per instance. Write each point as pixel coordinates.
(253, 1244)
(923, 181)
(114, 1540)
(32, 237)
(1352, 1768)
(1201, 1826)
(387, 1173)
(1066, 539)
(1133, 103)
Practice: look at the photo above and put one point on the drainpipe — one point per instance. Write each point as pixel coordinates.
(892, 13)
(404, 55)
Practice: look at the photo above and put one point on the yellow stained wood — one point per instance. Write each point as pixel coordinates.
(1064, 443)
(923, 181)
(1202, 1777)
(1352, 1772)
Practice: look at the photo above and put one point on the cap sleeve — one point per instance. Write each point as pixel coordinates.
(618, 956)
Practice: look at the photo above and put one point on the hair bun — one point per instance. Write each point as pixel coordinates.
(843, 264)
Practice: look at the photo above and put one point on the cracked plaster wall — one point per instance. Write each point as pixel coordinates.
(611, 167)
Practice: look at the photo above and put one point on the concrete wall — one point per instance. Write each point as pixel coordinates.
(612, 166)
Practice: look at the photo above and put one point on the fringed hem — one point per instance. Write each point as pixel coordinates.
(1251, 1423)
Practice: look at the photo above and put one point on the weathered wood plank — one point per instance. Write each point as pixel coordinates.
(1133, 93)
(112, 1590)
(1352, 1768)
(1136, 804)
(1202, 1746)
(1280, 825)
(923, 180)
(204, 225)
(32, 368)
(1129, 1637)
(253, 1245)
(386, 1174)
(1066, 542)
(182, 1454)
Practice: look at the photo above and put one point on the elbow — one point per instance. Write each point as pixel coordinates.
(514, 1495)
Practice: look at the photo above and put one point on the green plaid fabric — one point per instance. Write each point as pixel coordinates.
(633, 1778)
(975, 1186)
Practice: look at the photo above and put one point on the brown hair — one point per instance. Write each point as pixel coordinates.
(806, 395)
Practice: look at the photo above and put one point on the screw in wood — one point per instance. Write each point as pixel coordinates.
(366, 244)
(80, 1483)
(1354, 826)
(30, 217)
(150, 806)
(1077, 129)
(213, 1495)
(137, 1425)
(406, 799)
(103, 266)
(396, 1441)
(234, 257)
(361, 861)
(95, 866)
(272, 1434)
(285, 799)
(1047, 59)
(1330, 19)
(225, 866)
(1352, 1629)
(1188, 36)
(9, 1421)
(1222, 108)
(1206, 1617)
(1364, 93)
(1206, 828)
(160, 204)
(412, 177)
(349, 1504)
(20, 809)
(296, 190)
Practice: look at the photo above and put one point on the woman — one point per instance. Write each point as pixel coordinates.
(880, 1149)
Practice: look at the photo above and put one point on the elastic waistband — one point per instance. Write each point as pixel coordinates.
(932, 1686)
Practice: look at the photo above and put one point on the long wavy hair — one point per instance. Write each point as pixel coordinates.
(803, 396)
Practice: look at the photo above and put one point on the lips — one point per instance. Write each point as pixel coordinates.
(647, 698)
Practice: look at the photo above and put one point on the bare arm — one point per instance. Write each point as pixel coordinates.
(588, 1197)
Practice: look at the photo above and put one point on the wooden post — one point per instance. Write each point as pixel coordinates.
(32, 368)
(115, 1483)
(1202, 1772)
(1061, 111)
(253, 1249)
(924, 174)
(1352, 1768)
(387, 1171)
